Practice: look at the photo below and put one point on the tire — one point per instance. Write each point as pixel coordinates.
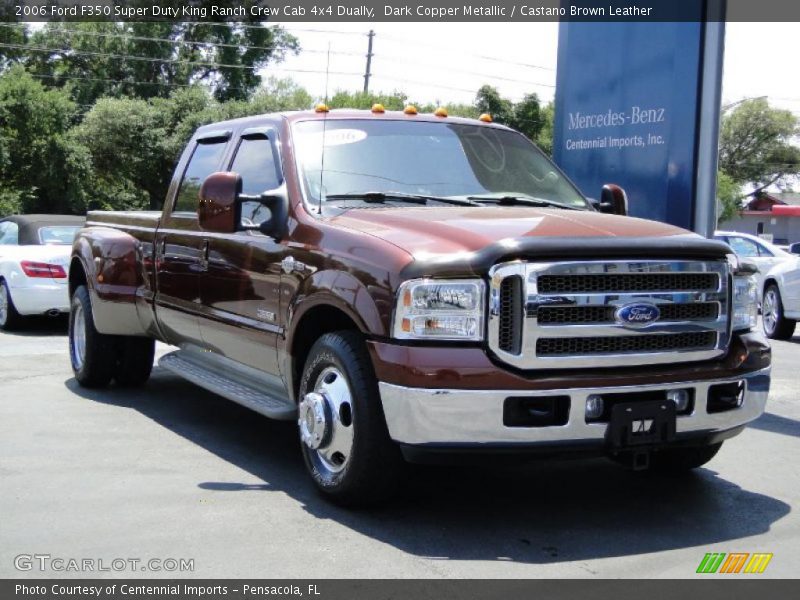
(134, 360)
(776, 325)
(10, 319)
(93, 355)
(356, 463)
(676, 460)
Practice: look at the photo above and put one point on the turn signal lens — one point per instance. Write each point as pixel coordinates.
(38, 269)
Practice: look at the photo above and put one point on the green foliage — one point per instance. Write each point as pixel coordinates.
(40, 167)
(364, 101)
(729, 197)
(96, 59)
(755, 144)
(526, 116)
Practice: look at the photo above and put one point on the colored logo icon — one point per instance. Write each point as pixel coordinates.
(735, 562)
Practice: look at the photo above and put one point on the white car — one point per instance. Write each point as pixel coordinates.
(780, 304)
(34, 264)
(762, 253)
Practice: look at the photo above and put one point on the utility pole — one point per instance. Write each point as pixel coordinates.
(368, 72)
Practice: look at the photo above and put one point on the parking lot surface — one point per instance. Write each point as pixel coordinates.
(173, 472)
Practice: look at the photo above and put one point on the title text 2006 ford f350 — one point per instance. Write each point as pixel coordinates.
(413, 287)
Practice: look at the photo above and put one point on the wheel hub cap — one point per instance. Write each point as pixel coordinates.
(325, 417)
(315, 420)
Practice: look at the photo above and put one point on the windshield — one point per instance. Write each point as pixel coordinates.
(57, 234)
(424, 158)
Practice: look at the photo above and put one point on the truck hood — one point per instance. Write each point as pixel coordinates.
(485, 235)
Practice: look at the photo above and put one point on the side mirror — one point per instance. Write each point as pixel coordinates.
(613, 200)
(277, 201)
(219, 209)
(794, 248)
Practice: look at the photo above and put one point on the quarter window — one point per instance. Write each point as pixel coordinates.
(256, 164)
(9, 234)
(205, 161)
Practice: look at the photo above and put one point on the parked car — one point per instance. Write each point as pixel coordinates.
(439, 289)
(762, 253)
(780, 305)
(34, 257)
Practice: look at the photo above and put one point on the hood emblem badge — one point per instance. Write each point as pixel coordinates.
(637, 314)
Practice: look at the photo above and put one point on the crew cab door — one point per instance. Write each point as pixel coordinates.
(240, 290)
(181, 246)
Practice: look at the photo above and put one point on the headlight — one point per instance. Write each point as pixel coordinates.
(445, 309)
(745, 302)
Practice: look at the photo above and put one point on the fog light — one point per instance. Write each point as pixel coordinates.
(594, 407)
(680, 398)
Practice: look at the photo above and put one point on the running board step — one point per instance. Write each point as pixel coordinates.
(230, 380)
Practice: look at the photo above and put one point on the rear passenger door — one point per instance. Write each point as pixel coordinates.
(241, 288)
(181, 246)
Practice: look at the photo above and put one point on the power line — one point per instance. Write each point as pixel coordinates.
(271, 47)
(481, 56)
(466, 72)
(163, 60)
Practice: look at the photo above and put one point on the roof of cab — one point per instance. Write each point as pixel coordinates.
(344, 113)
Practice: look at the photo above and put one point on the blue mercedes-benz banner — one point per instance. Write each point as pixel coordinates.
(630, 109)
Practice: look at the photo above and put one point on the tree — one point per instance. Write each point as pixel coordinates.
(11, 35)
(729, 197)
(149, 59)
(755, 144)
(488, 100)
(365, 100)
(527, 116)
(545, 137)
(41, 167)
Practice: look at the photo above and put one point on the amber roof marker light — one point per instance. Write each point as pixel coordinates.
(440, 112)
(486, 118)
(322, 108)
(410, 110)
(378, 108)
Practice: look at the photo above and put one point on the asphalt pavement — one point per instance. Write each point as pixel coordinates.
(173, 472)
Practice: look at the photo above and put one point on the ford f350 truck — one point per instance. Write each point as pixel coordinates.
(412, 287)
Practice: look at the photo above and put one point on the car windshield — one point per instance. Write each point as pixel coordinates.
(57, 234)
(447, 160)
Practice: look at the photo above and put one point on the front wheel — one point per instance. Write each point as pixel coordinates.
(343, 435)
(776, 325)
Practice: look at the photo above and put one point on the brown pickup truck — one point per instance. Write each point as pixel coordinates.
(416, 287)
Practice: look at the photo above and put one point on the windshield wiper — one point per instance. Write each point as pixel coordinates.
(382, 197)
(512, 200)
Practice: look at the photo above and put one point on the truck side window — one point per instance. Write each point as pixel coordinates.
(256, 165)
(205, 161)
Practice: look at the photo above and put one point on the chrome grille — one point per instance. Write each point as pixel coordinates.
(561, 315)
(660, 342)
(549, 315)
(628, 282)
(511, 298)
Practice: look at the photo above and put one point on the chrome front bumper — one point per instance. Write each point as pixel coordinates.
(446, 417)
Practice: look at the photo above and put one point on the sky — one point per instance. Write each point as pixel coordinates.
(447, 62)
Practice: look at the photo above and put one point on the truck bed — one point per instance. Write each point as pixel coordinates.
(123, 219)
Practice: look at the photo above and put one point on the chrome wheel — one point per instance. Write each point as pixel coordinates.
(326, 422)
(4, 300)
(770, 311)
(78, 336)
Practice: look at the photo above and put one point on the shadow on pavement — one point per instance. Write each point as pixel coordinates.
(41, 327)
(777, 424)
(542, 513)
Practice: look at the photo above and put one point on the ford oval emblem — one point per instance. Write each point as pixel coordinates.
(639, 313)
